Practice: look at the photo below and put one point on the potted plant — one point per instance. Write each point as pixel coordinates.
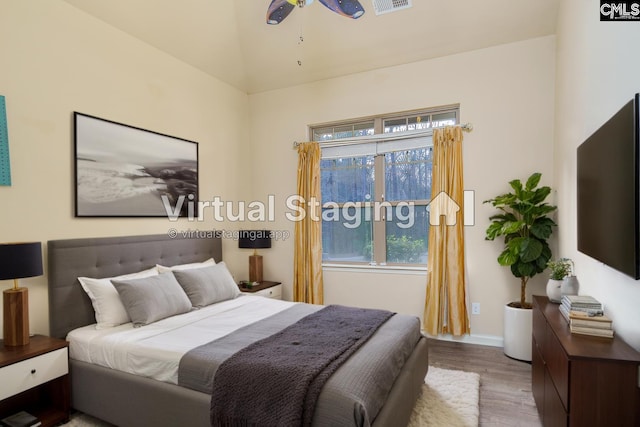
(559, 269)
(525, 227)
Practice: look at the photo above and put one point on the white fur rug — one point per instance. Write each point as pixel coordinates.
(449, 399)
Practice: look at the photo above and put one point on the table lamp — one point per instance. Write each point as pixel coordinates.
(17, 261)
(255, 239)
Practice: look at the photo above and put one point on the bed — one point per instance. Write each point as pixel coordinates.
(126, 399)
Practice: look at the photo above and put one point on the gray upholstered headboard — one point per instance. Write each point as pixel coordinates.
(69, 305)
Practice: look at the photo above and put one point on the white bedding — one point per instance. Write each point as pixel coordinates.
(155, 350)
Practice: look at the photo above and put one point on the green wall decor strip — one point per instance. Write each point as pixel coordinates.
(5, 167)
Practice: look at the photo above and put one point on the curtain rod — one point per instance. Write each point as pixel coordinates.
(467, 127)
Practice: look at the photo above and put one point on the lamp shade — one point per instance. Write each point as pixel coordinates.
(18, 260)
(254, 239)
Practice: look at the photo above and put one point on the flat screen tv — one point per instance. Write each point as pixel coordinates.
(608, 192)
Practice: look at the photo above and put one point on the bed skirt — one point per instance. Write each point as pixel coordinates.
(127, 400)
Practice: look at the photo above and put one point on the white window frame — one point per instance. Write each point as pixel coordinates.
(376, 145)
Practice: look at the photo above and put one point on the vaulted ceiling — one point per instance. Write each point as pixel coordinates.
(230, 40)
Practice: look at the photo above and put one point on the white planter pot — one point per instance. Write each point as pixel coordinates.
(554, 290)
(570, 286)
(517, 333)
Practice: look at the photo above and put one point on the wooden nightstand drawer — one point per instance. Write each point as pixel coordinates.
(265, 288)
(274, 292)
(21, 376)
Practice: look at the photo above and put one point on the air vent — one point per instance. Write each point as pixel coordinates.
(386, 6)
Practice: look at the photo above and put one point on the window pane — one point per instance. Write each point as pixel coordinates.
(343, 131)
(347, 179)
(347, 234)
(363, 129)
(408, 175)
(395, 125)
(407, 234)
(323, 134)
(444, 119)
(418, 123)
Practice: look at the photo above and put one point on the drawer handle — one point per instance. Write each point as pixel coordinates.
(33, 371)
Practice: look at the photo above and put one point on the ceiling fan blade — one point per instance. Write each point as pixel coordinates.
(349, 8)
(278, 10)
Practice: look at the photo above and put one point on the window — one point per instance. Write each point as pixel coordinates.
(328, 133)
(376, 187)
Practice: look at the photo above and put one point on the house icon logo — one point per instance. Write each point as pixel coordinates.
(443, 205)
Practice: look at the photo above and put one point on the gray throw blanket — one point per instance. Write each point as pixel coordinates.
(276, 381)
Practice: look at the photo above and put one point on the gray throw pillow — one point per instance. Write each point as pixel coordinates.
(208, 285)
(153, 298)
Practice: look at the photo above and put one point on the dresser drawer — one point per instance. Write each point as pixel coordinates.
(539, 328)
(21, 376)
(558, 366)
(538, 373)
(554, 413)
(272, 292)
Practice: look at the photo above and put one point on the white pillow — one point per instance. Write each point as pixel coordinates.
(164, 269)
(106, 302)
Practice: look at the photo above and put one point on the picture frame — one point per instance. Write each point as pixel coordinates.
(5, 164)
(126, 171)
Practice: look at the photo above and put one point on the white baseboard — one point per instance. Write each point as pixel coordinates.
(490, 340)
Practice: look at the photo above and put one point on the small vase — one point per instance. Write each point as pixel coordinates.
(554, 290)
(570, 286)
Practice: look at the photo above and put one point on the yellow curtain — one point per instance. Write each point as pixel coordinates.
(307, 258)
(445, 308)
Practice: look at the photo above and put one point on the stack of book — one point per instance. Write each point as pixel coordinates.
(585, 316)
(583, 324)
(584, 303)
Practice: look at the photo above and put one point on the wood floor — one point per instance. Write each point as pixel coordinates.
(505, 384)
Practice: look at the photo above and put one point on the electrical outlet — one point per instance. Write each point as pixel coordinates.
(475, 308)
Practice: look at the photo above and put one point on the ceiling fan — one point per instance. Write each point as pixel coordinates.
(280, 9)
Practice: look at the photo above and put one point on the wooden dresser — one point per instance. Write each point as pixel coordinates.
(581, 380)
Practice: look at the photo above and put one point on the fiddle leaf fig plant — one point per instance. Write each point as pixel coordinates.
(525, 226)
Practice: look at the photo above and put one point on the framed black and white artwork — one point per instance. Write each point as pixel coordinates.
(125, 171)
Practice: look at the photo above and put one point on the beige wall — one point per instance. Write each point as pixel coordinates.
(597, 73)
(56, 60)
(507, 92)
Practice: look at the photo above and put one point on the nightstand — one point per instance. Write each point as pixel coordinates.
(35, 378)
(265, 289)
